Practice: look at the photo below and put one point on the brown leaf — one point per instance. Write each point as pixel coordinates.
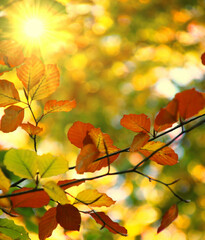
(139, 141)
(12, 118)
(59, 106)
(76, 182)
(165, 156)
(168, 218)
(8, 93)
(136, 123)
(68, 217)
(106, 222)
(32, 199)
(47, 224)
(31, 129)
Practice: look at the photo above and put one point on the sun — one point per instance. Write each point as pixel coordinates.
(34, 27)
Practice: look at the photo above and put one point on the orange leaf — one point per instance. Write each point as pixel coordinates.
(165, 156)
(47, 84)
(68, 217)
(47, 224)
(12, 118)
(59, 106)
(33, 199)
(139, 141)
(73, 182)
(190, 103)
(31, 72)
(8, 93)
(166, 116)
(78, 132)
(106, 222)
(10, 53)
(136, 123)
(31, 129)
(87, 155)
(168, 218)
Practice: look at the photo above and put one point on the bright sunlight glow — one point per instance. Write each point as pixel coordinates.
(34, 28)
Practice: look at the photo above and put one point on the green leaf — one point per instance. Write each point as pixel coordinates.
(50, 165)
(9, 228)
(22, 163)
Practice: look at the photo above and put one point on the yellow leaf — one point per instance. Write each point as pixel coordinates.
(4, 182)
(93, 198)
(56, 193)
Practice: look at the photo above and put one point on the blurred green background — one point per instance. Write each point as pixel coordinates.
(119, 57)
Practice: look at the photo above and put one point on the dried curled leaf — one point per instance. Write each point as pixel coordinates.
(168, 218)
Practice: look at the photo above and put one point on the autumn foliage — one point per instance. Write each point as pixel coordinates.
(96, 148)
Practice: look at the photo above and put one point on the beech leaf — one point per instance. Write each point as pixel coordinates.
(73, 183)
(68, 217)
(78, 132)
(165, 156)
(50, 165)
(59, 106)
(31, 129)
(8, 93)
(31, 72)
(139, 141)
(56, 193)
(4, 182)
(47, 224)
(33, 199)
(168, 218)
(47, 84)
(12, 118)
(136, 123)
(105, 221)
(21, 162)
(94, 198)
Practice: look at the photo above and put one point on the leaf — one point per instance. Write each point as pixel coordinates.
(12, 118)
(68, 217)
(4, 182)
(87, 155)
(93, 198)
(4, 68)
(47, 84)
(55, 192)
(33, 199)
(168, 218)
(31, 72)
(50, 165)
(21, 162)
(73, 183)
(11, 53)
(203, 58)
(190, 103)
(31, 129)
(78, 132)
(4, 237)
(165, 156)
(47, 224)
(166, 116)
(9, 228)
(8, 93)
(59, 106)
(106, 222)
(139, 141)
(136, 123)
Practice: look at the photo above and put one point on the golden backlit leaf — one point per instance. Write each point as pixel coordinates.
(59, 106)
(4, 182)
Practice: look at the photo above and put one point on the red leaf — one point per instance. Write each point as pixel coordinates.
(203, 58)
(12, 118)
(168, 218)
(86, 157)
(136, 123)
(139, 141)
(47, 224)
(78, 132)
(59, 106)
(190, 103)
(33, 199)
(106, 222)
(31, 129)
(166, 116)
(70, 181)
(68, 217)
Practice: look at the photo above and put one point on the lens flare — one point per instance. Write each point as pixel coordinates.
(34, 28)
